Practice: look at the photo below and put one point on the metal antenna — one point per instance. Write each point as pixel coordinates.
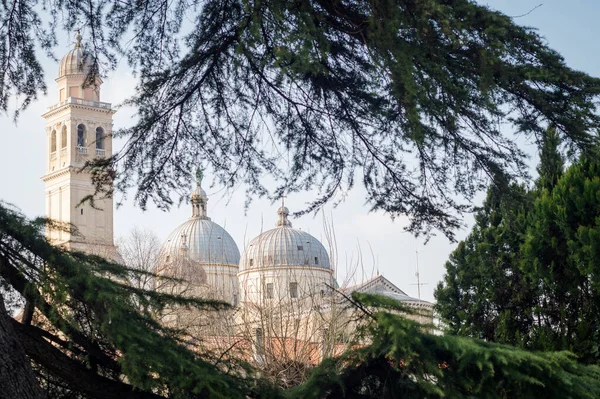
(417, 274)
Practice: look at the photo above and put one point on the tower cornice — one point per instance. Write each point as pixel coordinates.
(79, 103)
(59, 173)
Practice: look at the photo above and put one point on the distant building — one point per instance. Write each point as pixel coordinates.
(78, 129)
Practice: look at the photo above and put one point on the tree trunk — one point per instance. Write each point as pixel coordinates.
(17, 380)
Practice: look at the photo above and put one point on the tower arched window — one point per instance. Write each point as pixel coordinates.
(81, 135)
(53, 141)
(99, 138)
(63, 137)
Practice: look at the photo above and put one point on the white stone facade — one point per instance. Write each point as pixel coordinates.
(78, 129)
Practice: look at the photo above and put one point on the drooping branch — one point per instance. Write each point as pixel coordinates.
(74, 373)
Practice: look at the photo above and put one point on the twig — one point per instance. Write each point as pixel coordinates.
(528, 12)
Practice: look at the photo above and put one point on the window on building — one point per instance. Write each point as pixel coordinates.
(53, 141)
(63, 137)
(316, 260)
(269, 291)
(259, 341)
(300, 248)
(326, 343)
(293, 289)
(81, 135)
(99, 138)
(251, 262)
(235, 300)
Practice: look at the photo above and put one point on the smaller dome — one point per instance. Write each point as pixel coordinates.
(76, 61)
(284, 246)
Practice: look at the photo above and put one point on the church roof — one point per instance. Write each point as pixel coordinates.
(284, 246)
(203, 241)
(199, 239)
(382, 286)
(76, 61)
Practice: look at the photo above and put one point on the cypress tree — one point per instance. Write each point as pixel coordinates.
(551, 165)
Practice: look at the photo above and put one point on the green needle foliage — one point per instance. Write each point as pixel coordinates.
(528, 274)
(94, 335)
(406, 97)
(400, 360)
(89, 334)
(484, 293)
(561, 250)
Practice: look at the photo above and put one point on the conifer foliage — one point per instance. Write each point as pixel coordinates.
(528, 272)
(404, 96)
(84, 332)
(402, 361)
(89, 334)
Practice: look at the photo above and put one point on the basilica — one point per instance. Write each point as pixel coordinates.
(286, 305)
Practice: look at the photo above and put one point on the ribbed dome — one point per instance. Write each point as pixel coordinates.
(75, 61)
(203, 241)
(284, 246)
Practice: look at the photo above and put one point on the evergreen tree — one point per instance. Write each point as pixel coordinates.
(86, 337)
(408, 93)
(552, 164)
(399, 360)
(484, 293)
(561, 252)
(528, 274)
(84, 332)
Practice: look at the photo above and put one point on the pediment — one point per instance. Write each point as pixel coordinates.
(379, 285)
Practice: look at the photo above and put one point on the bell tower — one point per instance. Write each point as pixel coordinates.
(78, 129)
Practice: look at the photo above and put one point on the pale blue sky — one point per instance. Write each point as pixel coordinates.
(571, 27)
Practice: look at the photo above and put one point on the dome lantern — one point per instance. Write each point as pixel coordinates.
(283, 221)
(199, 198)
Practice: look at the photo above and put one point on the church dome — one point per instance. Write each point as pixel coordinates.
(284, 246)
(201, 240)
(76, 61)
